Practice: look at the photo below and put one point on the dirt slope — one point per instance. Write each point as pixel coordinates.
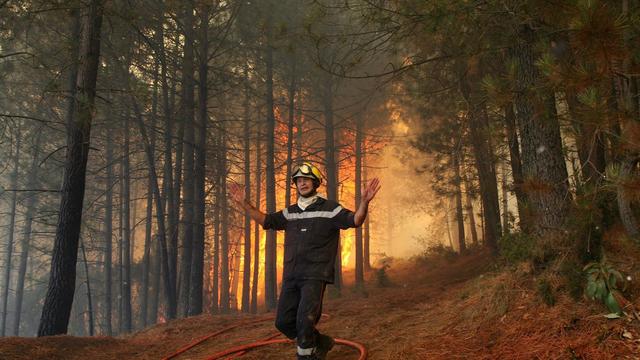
(456, 310)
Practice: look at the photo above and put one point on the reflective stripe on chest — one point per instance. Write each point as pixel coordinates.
(311, 214)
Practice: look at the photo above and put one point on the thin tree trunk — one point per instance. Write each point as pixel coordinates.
(256, 236)
(155, 288)
(26, 233)
(126, 230)
(168, 179)
(216, 236)
(292, 95)
(270, 247)
(458, 197)
(470, 213)
(247, 193)
(197, 269)
(358, 185)
(11, 232)
(108, 234)
(169, 285)
(330, 158)
(516, 164)
(188, 104)
(224, 244)
(59, 297)
(299, 129)
(367, 232)
(505, 200)
(480, 141)
(149, 209)
(446, 221)
(89, 303)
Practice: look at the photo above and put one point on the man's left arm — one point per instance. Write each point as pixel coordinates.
(368, 193)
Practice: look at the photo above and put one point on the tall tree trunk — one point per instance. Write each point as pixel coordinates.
(155, 287)
(330, 158)
(505, 200)
(169, 285)
(26, 233)
(270, 282)
(126, 230)
(119, 245)
(367, 233)
(446, 221)
(299, 129)
(470, 213)
(108, 234)
(516, 164)
(224, 228)
(458, 196)
(168, 179)
(543, 165)
(215, 291)
(256, 236)
(246, 272)
(358, 185)
(59, 297)
(146, 259)
(188, 104)
(11, 232)
(291, 90)
(197, 269)
(89, 303)
(480, 141)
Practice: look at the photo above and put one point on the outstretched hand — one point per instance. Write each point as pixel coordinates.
(371, 189)
(237, 193)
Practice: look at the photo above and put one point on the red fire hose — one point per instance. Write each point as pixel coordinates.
(240, 350)
(207, 337)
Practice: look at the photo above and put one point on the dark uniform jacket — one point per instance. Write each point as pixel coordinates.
(310, 238)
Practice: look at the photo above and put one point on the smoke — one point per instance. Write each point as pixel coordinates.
(403, 216)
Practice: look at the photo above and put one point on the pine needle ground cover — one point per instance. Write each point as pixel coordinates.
(463, 308)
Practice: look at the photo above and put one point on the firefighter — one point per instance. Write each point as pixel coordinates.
(311, 228)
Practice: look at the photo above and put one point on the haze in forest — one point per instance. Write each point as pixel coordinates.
(504, 133)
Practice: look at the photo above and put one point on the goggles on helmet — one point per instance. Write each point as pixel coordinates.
(306, 170)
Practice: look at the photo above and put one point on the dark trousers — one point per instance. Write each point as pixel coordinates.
(299, 310)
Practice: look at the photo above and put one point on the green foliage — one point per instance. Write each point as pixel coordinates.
(545, 291)
(602, 284)
(589, 97)
(574, 277)
(439, 251)
(516, 247)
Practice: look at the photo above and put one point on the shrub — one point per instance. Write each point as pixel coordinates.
(515, 247)
(545, 291)
(382, 278)
(602, 284)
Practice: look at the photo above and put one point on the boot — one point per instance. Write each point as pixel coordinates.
(324, 344)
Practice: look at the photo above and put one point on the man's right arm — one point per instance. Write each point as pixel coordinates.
(253, 212)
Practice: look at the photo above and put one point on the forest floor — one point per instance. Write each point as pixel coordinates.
(462, 308)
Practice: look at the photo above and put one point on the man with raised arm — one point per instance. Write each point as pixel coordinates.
(312, 227)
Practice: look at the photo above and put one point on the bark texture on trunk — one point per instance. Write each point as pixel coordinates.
(59, 297)
(544, 169)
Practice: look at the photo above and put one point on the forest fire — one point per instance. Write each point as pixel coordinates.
(416, 155)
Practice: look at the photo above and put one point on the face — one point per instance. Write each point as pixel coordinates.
(304, 186)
